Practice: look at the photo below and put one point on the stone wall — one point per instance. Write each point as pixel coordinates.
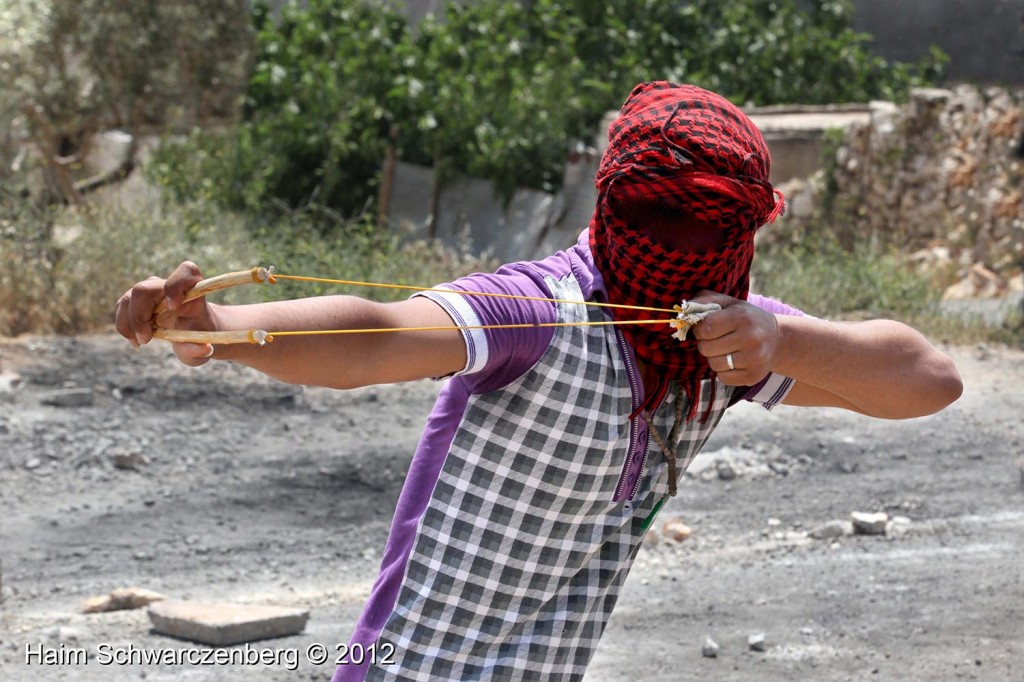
(941, 178)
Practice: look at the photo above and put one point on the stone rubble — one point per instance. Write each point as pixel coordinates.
(75, 443)
(10, 383)
(729, 463)
(898, 526)
(123, 599)
(832, 529)
(868, 523)
(69, 397)
(128, 460)
(675, 530)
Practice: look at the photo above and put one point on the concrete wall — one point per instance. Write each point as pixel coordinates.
(795, 134)
(535, 224)
(470, 216)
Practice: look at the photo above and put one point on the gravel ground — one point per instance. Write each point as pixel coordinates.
(218, 484)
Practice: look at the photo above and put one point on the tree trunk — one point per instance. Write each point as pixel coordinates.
(65, 183)
(435, 194)
(387, 181)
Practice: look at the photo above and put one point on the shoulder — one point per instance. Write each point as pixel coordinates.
(503, 312)
(576, 261)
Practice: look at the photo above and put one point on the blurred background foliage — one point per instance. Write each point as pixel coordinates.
(273, 125)
(499, 90)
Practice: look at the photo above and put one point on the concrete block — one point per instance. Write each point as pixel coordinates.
(224, 624)
(69, 397)
(866, 523)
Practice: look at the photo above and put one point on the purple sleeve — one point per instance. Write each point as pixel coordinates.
(772, 305)
(496, 357)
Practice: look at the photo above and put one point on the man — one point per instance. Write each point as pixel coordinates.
(553, 443)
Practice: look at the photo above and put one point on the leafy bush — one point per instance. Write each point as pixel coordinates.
(357, 251)
(498, 89)
(72, 69)
(784, 51)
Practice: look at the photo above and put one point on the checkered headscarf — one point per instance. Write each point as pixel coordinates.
(678, 149)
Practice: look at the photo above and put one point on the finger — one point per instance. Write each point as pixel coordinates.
(717, 325)
(121, 323)
(720, 363)
(708, 296)
(141, 304)
(736, 375)
(193, 354)
(717, 346)
(184, 277)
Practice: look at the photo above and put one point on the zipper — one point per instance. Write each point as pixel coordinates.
(633, 423)
(634, 426)
(647, 451)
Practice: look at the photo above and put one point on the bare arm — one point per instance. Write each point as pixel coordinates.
(349, 360)
(336, 361)
(880, 368)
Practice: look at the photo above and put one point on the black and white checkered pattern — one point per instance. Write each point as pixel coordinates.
(522, 553)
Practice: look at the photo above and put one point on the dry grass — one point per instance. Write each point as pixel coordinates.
(62, 269)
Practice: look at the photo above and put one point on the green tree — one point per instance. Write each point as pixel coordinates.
(500, 89)
(324, 92)
(496, 92)
(781, 51)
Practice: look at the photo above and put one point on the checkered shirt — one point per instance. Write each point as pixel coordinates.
(522, 552)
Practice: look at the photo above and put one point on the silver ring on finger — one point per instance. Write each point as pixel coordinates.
(728, 361)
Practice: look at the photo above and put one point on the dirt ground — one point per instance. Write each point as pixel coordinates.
(240, 489)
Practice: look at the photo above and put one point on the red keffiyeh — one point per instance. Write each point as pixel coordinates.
(678, 150)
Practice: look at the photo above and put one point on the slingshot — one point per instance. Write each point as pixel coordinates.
(686, 314)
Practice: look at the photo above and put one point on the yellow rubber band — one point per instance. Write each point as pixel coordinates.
(519, 297)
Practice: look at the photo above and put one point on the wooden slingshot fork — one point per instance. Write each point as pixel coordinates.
(257, 275)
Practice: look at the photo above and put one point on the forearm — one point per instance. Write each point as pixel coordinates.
(333, 360)
(881, 368)
(342, 360)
